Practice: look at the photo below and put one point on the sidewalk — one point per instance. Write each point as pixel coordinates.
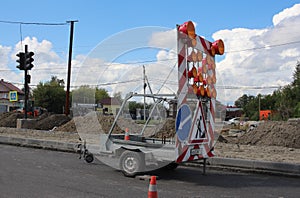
(287, 169)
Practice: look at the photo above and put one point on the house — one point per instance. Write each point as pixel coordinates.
(232, 112)
(6, 89)
(109, 105)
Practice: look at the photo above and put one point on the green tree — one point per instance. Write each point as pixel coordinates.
(101, 94)
(86, 94)
(50, 95)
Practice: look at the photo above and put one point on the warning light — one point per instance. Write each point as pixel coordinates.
(217, 47)
(192, 57)
(199, 56)
(188, 28)
(192, 73)
(199, 78)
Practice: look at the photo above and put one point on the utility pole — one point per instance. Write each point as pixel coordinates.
(67, 111)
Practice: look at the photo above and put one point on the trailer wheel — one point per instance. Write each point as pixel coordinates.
(131, 163)
(89, 158)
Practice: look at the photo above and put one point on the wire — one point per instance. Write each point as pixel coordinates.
(263, 47)
(31, 23)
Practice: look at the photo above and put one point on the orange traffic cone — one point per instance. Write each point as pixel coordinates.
(126, 137)
(152, 192)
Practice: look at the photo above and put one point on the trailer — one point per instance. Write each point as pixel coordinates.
(195, 133)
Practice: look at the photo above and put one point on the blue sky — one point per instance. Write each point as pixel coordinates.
(99, 20)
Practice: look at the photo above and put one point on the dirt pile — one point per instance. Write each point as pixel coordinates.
(270, 133)
(99, 123)
(46, 121)
(90, 123)
(9, 119)
(274, 133)
(51, 121)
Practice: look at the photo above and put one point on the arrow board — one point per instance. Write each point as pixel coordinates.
(183, 122)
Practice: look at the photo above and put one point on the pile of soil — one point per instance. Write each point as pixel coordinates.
(88, 124)
(269, 133)
(51, 121)
(46, 121)
(9, 119)
(274, 133)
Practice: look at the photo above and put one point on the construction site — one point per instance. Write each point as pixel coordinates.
(277, 141)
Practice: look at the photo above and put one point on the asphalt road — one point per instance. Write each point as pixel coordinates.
(28, 172)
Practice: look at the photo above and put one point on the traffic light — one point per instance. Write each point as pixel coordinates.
(21, 61)
(28, 78)
(29, 60)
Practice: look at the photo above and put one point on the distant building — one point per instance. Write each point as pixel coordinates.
(233, 112)
(5, 89)
(109, 105)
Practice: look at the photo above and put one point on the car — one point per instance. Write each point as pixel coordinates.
(233, 121)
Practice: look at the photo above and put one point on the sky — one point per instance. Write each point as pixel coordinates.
(114, 39)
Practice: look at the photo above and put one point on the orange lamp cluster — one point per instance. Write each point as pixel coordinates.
(201, 65)
(202, 74)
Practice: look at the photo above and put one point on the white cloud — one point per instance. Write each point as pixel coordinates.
(164, 39)
(286, 14)
(260, 57)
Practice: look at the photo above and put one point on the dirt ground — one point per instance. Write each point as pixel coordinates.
(270, 141)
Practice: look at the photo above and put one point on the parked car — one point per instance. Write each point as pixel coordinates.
(233, 121)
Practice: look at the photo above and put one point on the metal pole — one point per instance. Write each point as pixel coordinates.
(144, 75)
(25, 85)
(258, 107)
(67, 111)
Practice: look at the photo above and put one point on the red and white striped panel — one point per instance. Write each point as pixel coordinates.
(195, 147)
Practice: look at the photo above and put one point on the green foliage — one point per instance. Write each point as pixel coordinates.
(88, 95)
(284, 102)
(50, 95)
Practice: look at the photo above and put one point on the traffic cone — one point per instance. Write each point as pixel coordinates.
(152, 192)
(126, 137)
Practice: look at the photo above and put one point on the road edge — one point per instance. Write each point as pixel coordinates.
(242, 165)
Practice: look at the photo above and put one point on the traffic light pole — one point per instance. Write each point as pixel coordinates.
(26, 87)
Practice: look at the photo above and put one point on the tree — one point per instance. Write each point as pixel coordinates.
(50, 95)
(101, 94)
(86, 94)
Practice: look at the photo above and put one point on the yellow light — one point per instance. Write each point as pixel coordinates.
(188, 28)
(192, 57)
(217, 47)
(199, 56)
(192, 73)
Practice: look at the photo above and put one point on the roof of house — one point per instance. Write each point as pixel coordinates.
(6, 87)
(109, 101)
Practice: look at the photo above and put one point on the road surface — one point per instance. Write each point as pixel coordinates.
(28, 172)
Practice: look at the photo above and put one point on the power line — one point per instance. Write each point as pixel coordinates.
(247, 87)
(263, 47)
(32, 23)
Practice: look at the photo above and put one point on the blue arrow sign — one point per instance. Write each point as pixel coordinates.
(183, 122)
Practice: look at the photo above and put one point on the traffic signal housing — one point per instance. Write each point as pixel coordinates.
(21, 61)
(28, 60)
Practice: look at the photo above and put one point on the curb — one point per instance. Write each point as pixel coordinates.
(287, 169)
(37, 143)
(244, 165)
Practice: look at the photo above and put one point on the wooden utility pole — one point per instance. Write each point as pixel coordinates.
(67, 106)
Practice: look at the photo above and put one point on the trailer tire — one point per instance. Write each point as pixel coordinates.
(89, 158)
(132, 163)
